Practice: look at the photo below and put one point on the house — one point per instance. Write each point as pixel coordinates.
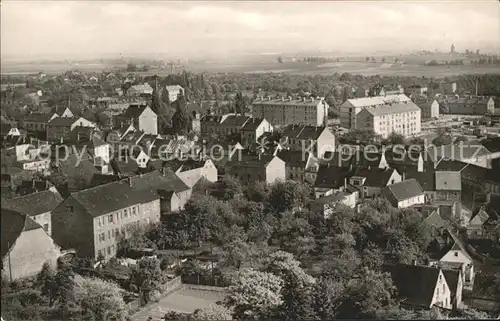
(325, 205)
(401, 118)
(38, 206)
(190, 171)
(454, 279)
(470, 153)
(404, 194)
(31, 186)
(115, 135)
(140, 90)
(227, 124)
(94, 220)
(416, 90)
(142, 117)
(331, 179)
(466, 105)
(439, 185)
(60, 128)
(78, 171)
(428, 106)
(140, 157)
(25, 246)
(253, 129)
(299, 166)
(420, 287)
(370, 181)
(62, 112)
(251, 168)
(482, 224)
(316, 140)
(454, 256)
(9, 129)
(493, 146)
(37, 122)
(173, 92)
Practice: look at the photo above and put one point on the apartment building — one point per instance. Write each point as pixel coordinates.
(309, 139)
(351, 107)
(467, 105)
(402, 118)
(429, 106)
(285, 111)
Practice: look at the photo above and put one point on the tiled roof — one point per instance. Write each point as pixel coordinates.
(492, 144)
(378, 100)
(448, 181)
(457, 152)
(427, 180)
(293, 158)
(63, 121)
(58, 110)
(375, 177)
(250, 161)
(480, 218)
(405, 189)
(37, 118)
(34, 204)
(363, 159)
(458, 244)
(415, 284)
(393, 109)
(330, 198)
(133, 111)
(12, 225)
(311, 132)
(292, 131)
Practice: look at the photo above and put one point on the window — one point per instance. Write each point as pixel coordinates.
(117, 232)
(99, 253)
(109, 250)
(102, 237)
(69, 208)
(438, 291)
(133, 210)
(46, 227)
(125, 212)
(109, 234)
(456, 253)
(110, 218)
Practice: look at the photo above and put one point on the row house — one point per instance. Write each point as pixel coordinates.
(26, 246)
(60, 128)
(140, 90)
(227, 124)
(316, 140)
(469, 105)
(38, 206)
(404, 194)
(332, 179)
(252, 168)
(370, 181)
(439, 185)
(429, 107)
(142, 117)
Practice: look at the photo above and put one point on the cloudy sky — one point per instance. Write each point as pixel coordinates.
(194, 29)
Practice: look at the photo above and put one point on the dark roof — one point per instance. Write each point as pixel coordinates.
(415, 284)
(435, 220)
(133, 111)
(401, 156)
(252, 124)
(37, 118)
(427, 180)
(292, 130)
(124, 167)
(311, 132)
(293, 158)
(458, 244)
(405, 189)
(33, 186)
(12, 225)
(250, 161)
(332, 176)
(363, 159)
(452, 277)
(34, 204)
(158, 181)
(63, 121)
(375, 177)
(456, 152)
(329, 199)
(58, 110)
(101, 179)
(492, 144)
(450, 165)
(110, 197)
(235, 120)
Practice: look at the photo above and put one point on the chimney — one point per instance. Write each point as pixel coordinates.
(129, 179)
(260, 155)
(403, 177)
(33, 183)
(345, 183)
(78, 137)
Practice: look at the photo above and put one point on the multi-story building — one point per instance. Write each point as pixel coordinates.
(416, 90)
(429, 107)
(37, 122)
(173, 92)
(351, 107)
(467, 105)
(140, 90)
(223, 124)
(94, 220)
(252, 168)
(142, 117)
(281, 111)
(402, 118)
(60, 127)
(316, 140)
(253, 129)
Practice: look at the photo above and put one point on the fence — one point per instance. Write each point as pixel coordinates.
(208, 280)
(171, 285)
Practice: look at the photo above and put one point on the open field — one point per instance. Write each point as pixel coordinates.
(361, 68)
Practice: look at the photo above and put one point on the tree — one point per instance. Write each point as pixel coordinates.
(297, 299)
(395, 139)
(367, 59)
(228, 188)
(145, 276)
(64, 287)
(327, 297)
(239, 103)
(131, 67)
(288, 195)
(100, 299)
(254, 294)
(443, 139)
(46, 282)
(180, 120)
(215, 313)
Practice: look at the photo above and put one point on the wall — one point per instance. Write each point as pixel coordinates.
(275, 170)
(148, 122)
(412, 201)
(45, 221)
(32, 249)
(325, 143)
(442, 293)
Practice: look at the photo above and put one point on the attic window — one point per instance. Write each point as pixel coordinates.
(69, 208)
(456, 253)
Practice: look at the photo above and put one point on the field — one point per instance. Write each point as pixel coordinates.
(270, 66)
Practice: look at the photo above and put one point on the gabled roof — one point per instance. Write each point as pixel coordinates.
(480, 218)
(12, 225)
(492, 144)
(459, 152)
(435, 220)
(393, 109)
(293, 158)
(235, 120)
(33, 204)
(363, 159)
(134, 111)
(251, 161)
(458, 245)
(329, 199)
(415, 284)
(378, 100)
(427, 179)
(405, 189)
(63, 121)
(332, 176)
(452, 277)
(375, 177)
(157, 180)
(58, 110)
(173, 88)
(252, 124)
(37, 118)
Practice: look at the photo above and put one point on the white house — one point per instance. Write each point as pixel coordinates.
(404, 194)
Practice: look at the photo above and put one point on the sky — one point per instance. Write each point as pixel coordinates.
(195, 29)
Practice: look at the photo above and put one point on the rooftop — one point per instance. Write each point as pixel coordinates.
(34, 204)
(393, 109)
(378, 100)
(12, 225)
(405, 189)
